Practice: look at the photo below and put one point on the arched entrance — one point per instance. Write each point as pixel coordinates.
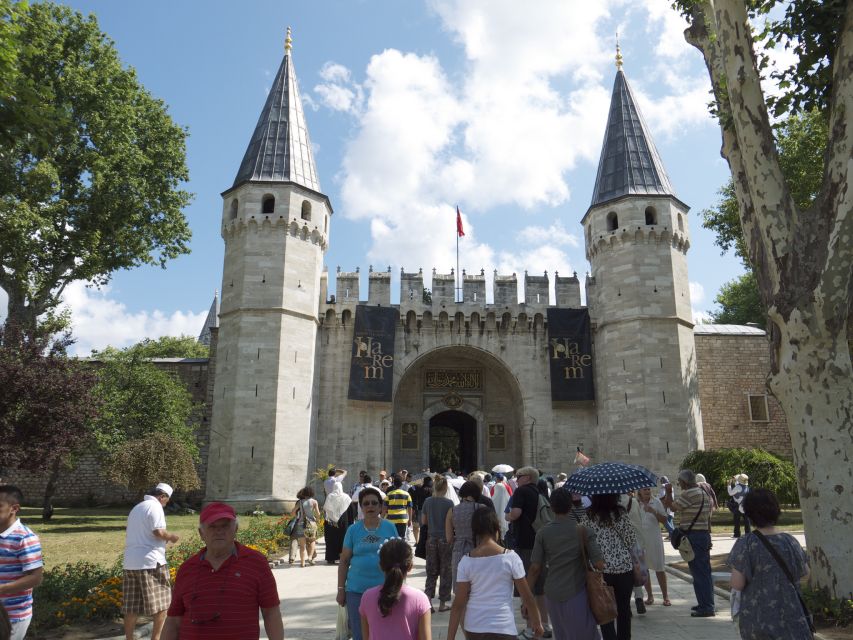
(453, 441)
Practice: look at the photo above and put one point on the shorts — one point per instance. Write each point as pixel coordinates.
(539, 587)
(146, 591)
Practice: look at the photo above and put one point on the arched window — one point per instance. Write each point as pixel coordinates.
(306, 210)
(680, 223)
(234, 206)
(268, 204)
(651, 216)
(612, 221)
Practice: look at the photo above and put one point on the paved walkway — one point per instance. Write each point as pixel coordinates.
(309, 608)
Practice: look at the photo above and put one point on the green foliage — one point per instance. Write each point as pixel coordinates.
(92, 185)
(171, 347)
(740, 302)
(764, 469)
(69, 592)
(427, 296)
(830, 611)
(141, 463)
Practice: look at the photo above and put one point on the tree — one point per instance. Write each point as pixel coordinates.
(92, 185)
(139, 399)
(801, 143)
(46, 404)
(740, 302)
(171, 347)
(143, 462)
(802, 257)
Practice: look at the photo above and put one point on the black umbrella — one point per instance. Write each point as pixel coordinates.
(610, 477)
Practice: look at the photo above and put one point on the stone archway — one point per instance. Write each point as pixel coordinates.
(452, 441)
(471, 392)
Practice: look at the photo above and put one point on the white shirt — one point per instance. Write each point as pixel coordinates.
(142, 549)
(490, 605)
(329, 483)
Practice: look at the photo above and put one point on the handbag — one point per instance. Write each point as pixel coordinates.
(342, 626)
(420, 547)
(601, 597)
(808, 615)
(291, 526)
(679, 535)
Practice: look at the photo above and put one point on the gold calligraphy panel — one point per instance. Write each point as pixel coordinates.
(453, 379)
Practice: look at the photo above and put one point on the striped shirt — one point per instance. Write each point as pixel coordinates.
(20, 553)
(223, 604)
(690, 501)
(399, 503)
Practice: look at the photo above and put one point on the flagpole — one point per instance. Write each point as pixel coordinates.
(457, 260)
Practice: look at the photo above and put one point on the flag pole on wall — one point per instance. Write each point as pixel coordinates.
(459, 233)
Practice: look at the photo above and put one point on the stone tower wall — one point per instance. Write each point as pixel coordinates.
(639, 299)
(260, 435)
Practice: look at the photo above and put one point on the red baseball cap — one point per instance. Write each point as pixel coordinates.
(216, 511)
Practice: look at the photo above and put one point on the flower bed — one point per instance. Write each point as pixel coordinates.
(84, 591)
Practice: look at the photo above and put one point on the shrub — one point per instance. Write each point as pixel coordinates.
(830, 611)
(764, 469)
(80, 591)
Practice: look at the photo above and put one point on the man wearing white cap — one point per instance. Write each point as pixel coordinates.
(147, 589)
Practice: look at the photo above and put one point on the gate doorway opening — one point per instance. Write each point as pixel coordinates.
(453, 442)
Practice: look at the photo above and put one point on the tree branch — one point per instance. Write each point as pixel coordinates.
(836, 196)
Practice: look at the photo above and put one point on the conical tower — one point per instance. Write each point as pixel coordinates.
(639, 298)
(275, 224)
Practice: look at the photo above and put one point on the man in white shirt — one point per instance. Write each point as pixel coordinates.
(335, 475)
(146, 587)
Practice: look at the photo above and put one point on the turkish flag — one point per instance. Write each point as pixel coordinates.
(459, 230)
(581, 459)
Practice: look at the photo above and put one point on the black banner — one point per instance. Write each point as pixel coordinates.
(570, 354)
(371, 375)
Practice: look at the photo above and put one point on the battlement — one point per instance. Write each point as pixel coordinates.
(443, 295)
(610, 240)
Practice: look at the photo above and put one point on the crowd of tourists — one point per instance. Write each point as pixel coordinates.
(576, 563)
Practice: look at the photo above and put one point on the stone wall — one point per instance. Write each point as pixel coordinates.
(731, 367)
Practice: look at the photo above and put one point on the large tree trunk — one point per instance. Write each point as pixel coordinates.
(802, 262)
(50, 491)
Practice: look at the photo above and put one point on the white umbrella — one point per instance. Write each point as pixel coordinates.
(457, 482)
(502, 468)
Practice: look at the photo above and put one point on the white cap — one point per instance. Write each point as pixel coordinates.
(165, 489)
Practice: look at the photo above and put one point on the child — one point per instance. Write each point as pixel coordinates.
(395, 611)
(21, 562)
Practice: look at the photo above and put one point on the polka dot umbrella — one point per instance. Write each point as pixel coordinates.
(610, 477)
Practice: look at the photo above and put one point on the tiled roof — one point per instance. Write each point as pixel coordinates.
(728, 329)
(280, 150)
(630, 163)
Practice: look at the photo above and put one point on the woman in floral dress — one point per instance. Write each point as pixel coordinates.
(770, 605)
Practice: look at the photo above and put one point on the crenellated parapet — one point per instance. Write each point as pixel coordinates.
(639, 235)
(441, 308)
(267, 223)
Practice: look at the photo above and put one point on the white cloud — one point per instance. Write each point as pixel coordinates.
(527, 106)
(697, 293)
(697, 297)
(98, 321)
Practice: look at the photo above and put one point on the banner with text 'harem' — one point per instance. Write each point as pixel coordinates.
(371, 374)
(570, 354)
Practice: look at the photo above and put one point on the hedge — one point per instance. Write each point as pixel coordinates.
(764, 469)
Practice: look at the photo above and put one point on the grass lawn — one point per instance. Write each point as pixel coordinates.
(789, 520)
(95, 535)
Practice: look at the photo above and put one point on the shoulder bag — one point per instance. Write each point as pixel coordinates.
(420, 547)
(601, 597)
(679, 535)
(789, 575)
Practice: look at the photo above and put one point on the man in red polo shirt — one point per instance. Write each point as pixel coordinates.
(219, 590)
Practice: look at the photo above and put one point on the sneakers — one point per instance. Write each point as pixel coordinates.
(527, 634)
(641, 606)
(548, 632)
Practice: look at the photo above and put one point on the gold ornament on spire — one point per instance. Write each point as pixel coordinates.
(288, 42)
(618, 54)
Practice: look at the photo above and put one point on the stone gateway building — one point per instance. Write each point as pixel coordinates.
(303, 376)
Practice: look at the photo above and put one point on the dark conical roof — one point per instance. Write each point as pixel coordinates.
(211, 322)
(630, 163)
(280, 150)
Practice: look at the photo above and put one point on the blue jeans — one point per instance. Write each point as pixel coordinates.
(700, 569)
(353, 602)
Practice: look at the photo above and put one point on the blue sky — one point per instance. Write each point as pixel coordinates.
(412, 107)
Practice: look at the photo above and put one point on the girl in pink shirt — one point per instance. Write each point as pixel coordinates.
(395, 611)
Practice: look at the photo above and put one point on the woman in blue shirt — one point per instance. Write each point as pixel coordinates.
(359, 569)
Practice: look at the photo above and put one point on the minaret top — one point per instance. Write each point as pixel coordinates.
(618, 54)
(280, 149)
(630, 164)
